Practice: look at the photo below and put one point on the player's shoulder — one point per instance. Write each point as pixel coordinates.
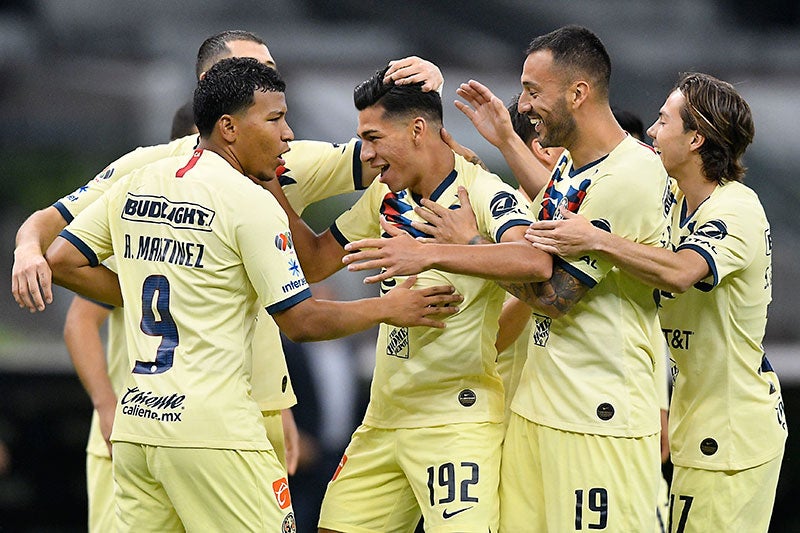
(472, 176)
(309, 149)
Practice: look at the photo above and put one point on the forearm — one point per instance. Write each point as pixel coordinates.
(513, 319)
(319, 320)
(506, 261)
(657, 267)
(554, 297)
(40, 229)
(85, 348)
(98, 283)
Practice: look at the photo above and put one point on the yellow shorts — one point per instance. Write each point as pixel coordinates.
(714, 500)
(389, 477)
(556, 481)
(162, 489)
(100, 491)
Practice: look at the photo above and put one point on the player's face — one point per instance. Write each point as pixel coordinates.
(250, 49)
(672, 143)
(543, 101)
(388, 145)
(263, 135)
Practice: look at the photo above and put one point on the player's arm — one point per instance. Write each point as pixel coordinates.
(512, 259)
(315, 320)
(554, 297)
(513, 319)
(291, 441)
(72, 270)
(490, 117)
(664, 269)
(31, 278)
(85, 346)
(320, 255)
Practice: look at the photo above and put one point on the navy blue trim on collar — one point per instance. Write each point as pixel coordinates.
(575, 171)
(439, 189)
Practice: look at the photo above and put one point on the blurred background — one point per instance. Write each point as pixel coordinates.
(85, 81)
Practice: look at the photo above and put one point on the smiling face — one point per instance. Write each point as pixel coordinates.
(544, 100)
(670, 139)
(262, 135)
(388, 145)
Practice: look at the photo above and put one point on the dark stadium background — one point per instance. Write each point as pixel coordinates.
(84, 81)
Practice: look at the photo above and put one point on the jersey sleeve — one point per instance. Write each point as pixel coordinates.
(498, 207)
(268, 254)
(90, 231)
(317, 170)
(360, 221)
(70, 205)
(727, 238)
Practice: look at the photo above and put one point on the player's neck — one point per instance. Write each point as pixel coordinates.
(436, 164)
(598, 134)
(695, 187)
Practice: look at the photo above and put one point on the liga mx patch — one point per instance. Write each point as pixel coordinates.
(281, 489)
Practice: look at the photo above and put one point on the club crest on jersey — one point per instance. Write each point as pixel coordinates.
(160, 210)
(553, 199)
(283, 241)
(289, 525)
(502, 203)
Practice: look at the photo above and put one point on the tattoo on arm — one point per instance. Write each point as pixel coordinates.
(553, 297)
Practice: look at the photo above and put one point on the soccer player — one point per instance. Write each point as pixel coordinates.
(189, 447)
(727, 422)
(313, 171)
(429, 443)
(103, 374)
(582, 446)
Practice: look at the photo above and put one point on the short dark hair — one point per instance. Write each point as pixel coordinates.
(398, 100)
(521, 123)
(717, 111)
(216, 46)
(229, 87)
(182, 122)
(578, 51)
(629, 122)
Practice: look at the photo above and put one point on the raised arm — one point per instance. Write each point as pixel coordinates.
(85, 346)
(490, 117)
(664, 269)
(413, 69)
(31, 277)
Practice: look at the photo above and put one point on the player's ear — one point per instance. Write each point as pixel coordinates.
(418, 127)
(227, 127)
(697, 141)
